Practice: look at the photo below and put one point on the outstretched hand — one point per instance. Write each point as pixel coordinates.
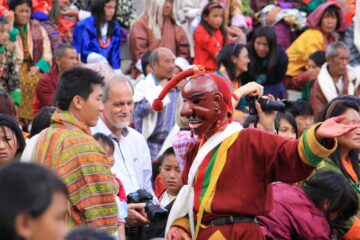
(334, 127)
(176, 233)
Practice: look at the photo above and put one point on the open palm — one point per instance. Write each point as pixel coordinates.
(333, 127)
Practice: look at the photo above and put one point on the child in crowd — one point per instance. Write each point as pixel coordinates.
(108, 145)
(285, 125)
(171, 177)
(304, 115)
(210, 36)
(9, 74)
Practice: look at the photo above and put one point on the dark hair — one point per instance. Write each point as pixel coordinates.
(87, 233)
(205, 12)
(274, 65)
(318, 58)
(7, 105)
(168, 152)
(11, 123)
(145, 61)
(75, 81)
(351, 98)
(102, 138)
(301, 107)
(337, 108)
(29, 189)
(41, 120)
(250, 119)
(60, 49)
(225, 58)
(14, 3)
(97, 11)
(332, 10)
(332, 187)
(289, 118)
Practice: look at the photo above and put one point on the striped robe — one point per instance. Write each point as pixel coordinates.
(68, 148)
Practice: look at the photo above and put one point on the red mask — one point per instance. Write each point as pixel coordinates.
(206, 105)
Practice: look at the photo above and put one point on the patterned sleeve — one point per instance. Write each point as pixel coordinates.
(91, 187)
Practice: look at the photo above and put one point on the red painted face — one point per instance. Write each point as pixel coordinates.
(202, 105)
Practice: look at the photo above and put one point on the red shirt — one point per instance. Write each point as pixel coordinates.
(206, 47)
(45, 90)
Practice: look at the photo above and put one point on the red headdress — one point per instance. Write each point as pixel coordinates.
(221, 83)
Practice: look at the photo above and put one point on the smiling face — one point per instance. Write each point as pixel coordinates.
(201, 105)
(90, 109)
(242, 60)
(118, 106)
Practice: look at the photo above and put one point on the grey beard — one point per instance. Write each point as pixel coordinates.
(122, 125)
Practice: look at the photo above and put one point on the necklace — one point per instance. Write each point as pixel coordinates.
(106, 45)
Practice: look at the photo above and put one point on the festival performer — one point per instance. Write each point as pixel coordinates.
(222, 202)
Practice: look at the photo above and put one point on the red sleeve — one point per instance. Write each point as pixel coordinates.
(121, 194)
(45, 91)
(208, 43)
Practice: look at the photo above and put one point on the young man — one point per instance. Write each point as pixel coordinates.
(171, 177)
(228, 172)
(68, 147)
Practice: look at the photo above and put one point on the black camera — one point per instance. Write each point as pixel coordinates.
(143, 196)
(267, 105)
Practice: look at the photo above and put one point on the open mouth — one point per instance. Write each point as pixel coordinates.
(195, 122)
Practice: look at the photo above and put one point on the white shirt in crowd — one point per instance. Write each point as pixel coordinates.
(132, 158)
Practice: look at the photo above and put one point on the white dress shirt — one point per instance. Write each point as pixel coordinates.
(132, 158)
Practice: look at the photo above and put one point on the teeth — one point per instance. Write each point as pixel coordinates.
(195, 125)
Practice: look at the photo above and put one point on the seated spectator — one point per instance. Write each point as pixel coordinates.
(65, 57)
(285, 125)
(304, 81)
(268, 63)
(187, 12)
(40, 12)
(323, 24)
(88, 234)
(12, 142)
(99, 34)
(210, 36)
(171, 177)
(156, 126)
(142, 65)
(65, 15)
(156, 28)
(345, 160)
(307, 212)
(108, 145)
(9, 72)
(34, 205)
(316, 60)
(33, 54)
(304, 115)
(232, 61)
(336, 78)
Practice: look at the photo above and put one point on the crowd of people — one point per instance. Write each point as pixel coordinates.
(228, 120)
